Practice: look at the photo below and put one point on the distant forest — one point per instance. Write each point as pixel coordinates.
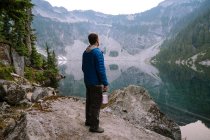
(191, 40)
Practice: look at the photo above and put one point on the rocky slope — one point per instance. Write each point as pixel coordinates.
(8, 56)
(63, 118)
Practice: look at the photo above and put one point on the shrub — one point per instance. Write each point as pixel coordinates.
(6, 72)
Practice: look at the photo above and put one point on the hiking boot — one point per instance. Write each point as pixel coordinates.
(96, 130)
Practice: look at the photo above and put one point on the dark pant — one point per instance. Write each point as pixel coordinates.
(93, 105)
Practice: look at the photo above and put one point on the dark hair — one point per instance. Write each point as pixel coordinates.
(93, 38)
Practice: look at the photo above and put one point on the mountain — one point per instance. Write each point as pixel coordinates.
(123, 35)
(191, 44)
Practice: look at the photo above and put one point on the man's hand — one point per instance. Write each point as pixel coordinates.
(105, 88)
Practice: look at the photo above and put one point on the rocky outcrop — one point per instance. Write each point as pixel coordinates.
(15, 93)
(63, 118)
(136, 106)
(130, 114)
(15, 99)
(9, 56)
(18, 62)
(9, 119)
(41, 92)
(5, 54)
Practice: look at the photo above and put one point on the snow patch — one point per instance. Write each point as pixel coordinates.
(205, 63)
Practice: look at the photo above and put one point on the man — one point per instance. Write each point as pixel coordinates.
(95, 81)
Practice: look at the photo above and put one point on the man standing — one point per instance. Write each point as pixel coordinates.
(95, 81)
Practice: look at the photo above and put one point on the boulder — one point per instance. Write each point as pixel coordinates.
(22, 92)
(136, 106)
(41, 92)
(13, 94)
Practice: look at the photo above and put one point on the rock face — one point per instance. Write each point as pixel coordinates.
(136, 106)
(129, 115)
(18, 62)
(9, 119)
(9, 56)
(5, 54)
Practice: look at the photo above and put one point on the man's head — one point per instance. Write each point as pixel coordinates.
(93, 39)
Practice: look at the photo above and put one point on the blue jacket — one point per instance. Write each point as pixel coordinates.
(93, 68)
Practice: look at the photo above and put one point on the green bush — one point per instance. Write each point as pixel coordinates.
(35, 75)
(6, 72)
(51, 74)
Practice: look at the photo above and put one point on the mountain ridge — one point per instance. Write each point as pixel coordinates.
(190, 46)
(133, 33)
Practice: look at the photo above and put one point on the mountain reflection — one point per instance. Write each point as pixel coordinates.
(184, 94)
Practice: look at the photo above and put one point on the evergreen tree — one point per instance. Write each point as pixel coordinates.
(36, 59)
(15, 28)
(16, 19)
(51, 68)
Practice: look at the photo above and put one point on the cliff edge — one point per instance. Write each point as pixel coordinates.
(130, 114)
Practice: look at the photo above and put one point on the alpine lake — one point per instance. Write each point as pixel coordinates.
(181, 92)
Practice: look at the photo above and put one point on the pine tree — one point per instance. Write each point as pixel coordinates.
(36, 59)
(51, 68)
(16, 20)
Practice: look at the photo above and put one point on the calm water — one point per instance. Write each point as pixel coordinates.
(181, 93)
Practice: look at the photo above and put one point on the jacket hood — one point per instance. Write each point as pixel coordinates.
(90, 48)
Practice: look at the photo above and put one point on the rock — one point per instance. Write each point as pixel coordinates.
(3, 107)
(18, 62)
(63, 118)
(9, 125)
(22, 92)
(35, 84)
(136, 106)
(2, 93)
(40, 92)
(29, 95)
(13, 94)
(5, 54)
(25, 103)
(131, 114)
(9, 118)
(20, 80)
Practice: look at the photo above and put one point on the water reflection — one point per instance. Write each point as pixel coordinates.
(113, 67)
(184, 94)
(73, 83)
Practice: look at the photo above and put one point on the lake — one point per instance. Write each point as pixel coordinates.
(181, 93)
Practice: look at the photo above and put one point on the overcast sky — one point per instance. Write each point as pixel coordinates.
(113, 7)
